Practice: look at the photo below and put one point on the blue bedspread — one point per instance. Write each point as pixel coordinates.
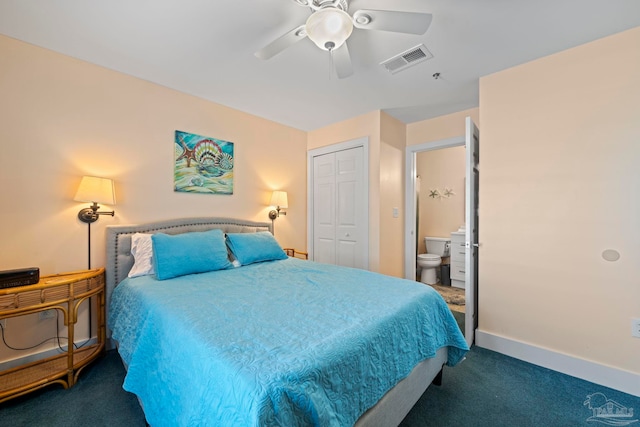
(282, 343)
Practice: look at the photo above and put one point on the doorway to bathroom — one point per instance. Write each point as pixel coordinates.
(441, 204)
(440, 223)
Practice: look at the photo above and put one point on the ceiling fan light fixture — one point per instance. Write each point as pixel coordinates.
(329, 28)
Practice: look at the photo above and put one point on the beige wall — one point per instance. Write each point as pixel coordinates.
(62, 118)
(440, 170)
(392, 150)
(559, 184)
(439, 128)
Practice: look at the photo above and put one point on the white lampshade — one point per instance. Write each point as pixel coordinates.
(329, 28)
(279, 199)
(98, 190)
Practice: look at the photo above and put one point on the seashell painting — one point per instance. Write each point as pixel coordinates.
(202, 164)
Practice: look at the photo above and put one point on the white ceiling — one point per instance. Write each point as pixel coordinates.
(205, 48)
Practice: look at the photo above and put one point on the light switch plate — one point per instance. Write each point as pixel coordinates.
(635, 328)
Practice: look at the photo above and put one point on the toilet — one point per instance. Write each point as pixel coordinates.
(437, 247)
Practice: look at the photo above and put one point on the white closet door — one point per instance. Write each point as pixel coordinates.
(324, 217)
(340, 208)
(350, 208)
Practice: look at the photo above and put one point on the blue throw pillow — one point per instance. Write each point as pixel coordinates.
(188, 253)
(254, 247)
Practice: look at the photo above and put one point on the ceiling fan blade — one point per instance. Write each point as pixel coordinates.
(389, 20)
(281, 43)
(342, 61)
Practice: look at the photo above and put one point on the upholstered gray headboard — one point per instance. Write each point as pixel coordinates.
(120, 260)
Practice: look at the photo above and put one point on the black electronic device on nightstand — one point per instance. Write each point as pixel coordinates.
(19, 277)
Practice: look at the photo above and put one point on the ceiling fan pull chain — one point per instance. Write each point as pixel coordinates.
(330, 64)
(330, 46)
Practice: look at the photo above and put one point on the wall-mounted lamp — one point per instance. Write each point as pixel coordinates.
(94, 190)
(279, 200)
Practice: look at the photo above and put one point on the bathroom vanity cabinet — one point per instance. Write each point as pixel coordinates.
(458, 253)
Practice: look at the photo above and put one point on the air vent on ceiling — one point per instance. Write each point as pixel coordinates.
(407, 59)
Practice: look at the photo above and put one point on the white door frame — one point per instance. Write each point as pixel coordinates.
(341, 146)
(472, 154)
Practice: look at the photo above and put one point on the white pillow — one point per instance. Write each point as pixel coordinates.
(234, 262)
(142, 251)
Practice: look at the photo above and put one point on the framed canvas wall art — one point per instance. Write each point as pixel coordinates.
(202, 164)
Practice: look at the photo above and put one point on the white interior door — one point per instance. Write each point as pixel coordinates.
(324, 218)
(350, 209)
(472, 142)
(338, 206)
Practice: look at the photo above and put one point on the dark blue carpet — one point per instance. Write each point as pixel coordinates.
(490, 389)
(96, 400)
(487, 389)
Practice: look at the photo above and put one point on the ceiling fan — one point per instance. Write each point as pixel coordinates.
(330, 25)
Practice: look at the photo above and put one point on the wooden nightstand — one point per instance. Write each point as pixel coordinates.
(296, 254)
(64, 292)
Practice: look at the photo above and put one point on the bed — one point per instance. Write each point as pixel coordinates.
(274, 341)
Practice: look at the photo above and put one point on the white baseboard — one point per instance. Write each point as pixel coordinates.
(617, 379)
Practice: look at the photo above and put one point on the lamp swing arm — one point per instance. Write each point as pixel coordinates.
(91, 213)
(273, 214)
